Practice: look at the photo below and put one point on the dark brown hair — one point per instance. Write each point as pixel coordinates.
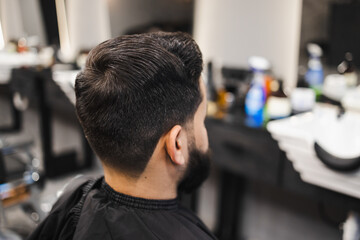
(133, 90)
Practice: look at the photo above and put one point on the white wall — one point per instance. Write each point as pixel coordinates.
(230, 31)
(88, 23)
(11, 20)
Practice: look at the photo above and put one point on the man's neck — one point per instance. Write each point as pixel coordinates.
(147, 185)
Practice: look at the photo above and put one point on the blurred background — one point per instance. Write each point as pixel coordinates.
(283, 109)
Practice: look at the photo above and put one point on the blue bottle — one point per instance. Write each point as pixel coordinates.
(256, 96)
(315, 74)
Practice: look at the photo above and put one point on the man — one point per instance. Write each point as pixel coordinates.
(142, 105)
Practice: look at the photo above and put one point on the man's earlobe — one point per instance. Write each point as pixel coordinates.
(174, 145)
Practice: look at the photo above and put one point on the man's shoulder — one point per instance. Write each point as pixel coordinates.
(73, 191)
(61, 221)
(192, 217)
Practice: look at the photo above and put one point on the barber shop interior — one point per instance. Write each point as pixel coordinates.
(180, 119)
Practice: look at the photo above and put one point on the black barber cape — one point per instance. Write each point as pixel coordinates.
(93, 210)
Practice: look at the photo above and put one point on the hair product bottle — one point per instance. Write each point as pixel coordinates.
(315, 75)
(256, 96)
(278, 104)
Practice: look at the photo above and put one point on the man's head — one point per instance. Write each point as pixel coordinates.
(136, 89)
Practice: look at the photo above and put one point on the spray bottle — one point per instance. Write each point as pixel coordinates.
(256, 96)
(315, 74)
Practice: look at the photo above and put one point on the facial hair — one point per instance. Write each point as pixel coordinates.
(197, 171)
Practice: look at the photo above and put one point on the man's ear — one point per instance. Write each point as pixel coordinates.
(175, 145)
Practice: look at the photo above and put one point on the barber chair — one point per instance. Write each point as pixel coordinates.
(19, 175)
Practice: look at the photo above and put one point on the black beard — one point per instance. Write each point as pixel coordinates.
(197, 171)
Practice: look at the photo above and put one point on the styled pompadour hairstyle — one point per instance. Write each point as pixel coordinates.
(133, 90)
